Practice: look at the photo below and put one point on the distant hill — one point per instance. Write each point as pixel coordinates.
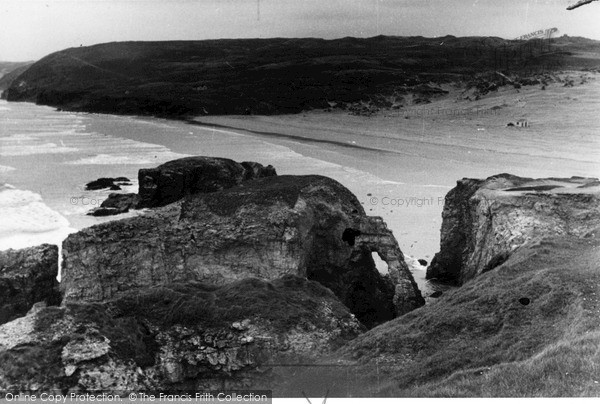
(11, 70)
(279, 75)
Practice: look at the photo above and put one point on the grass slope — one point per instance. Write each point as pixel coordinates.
(480, 340)
(279, 75)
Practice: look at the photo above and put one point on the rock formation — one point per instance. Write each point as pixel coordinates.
(241, 277)
(110, 183)
(485, 221)
(27, 276)
(173, 180)
(265, 228)
(177, 337)
(116, 204)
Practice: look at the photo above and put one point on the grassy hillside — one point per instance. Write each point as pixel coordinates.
(530, 327)
(279, 75)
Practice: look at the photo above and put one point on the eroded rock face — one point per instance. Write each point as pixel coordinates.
(265, 228)
(173, 180)
(484, 221)
(177, 337)
(27, 276)
(365, 292)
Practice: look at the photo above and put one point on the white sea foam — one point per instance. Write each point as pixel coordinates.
(436, 186)
(28, 221)
(5, 169)
(121, 158)
(29, 149)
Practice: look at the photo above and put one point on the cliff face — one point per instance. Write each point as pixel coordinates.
(485, 221)
(27, 276)
(266, 228)
(177, 337)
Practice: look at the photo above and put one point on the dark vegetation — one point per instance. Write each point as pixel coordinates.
(285, 302)
(279, 75)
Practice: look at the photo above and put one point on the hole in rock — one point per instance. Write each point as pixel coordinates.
(524, 301)
(349, 236)
(380, 264)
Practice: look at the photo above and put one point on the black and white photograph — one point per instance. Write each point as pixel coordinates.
(299, 201)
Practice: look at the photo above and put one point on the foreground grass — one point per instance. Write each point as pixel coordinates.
(570, 367)
(480, 340)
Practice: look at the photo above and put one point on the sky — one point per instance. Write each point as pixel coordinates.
(31, 29)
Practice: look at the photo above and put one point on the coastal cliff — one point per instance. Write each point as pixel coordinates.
(265, 228)
(27, 276)
(485, 221)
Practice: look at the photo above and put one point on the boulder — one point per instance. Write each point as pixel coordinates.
(264, 228)
(485, 221)
(27, 276)
(177, 337)
(107, 183)
(116, 204)
(173, 180)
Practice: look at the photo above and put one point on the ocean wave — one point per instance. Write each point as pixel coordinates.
(129, 158)
(436, 186)
(25, 150)
(5, 169)
(28, 221)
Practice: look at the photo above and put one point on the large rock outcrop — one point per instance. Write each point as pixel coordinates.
(175, 179)
(27, 276)
(484, 221)
(174, 338)
(265, 228)
(171, 181)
